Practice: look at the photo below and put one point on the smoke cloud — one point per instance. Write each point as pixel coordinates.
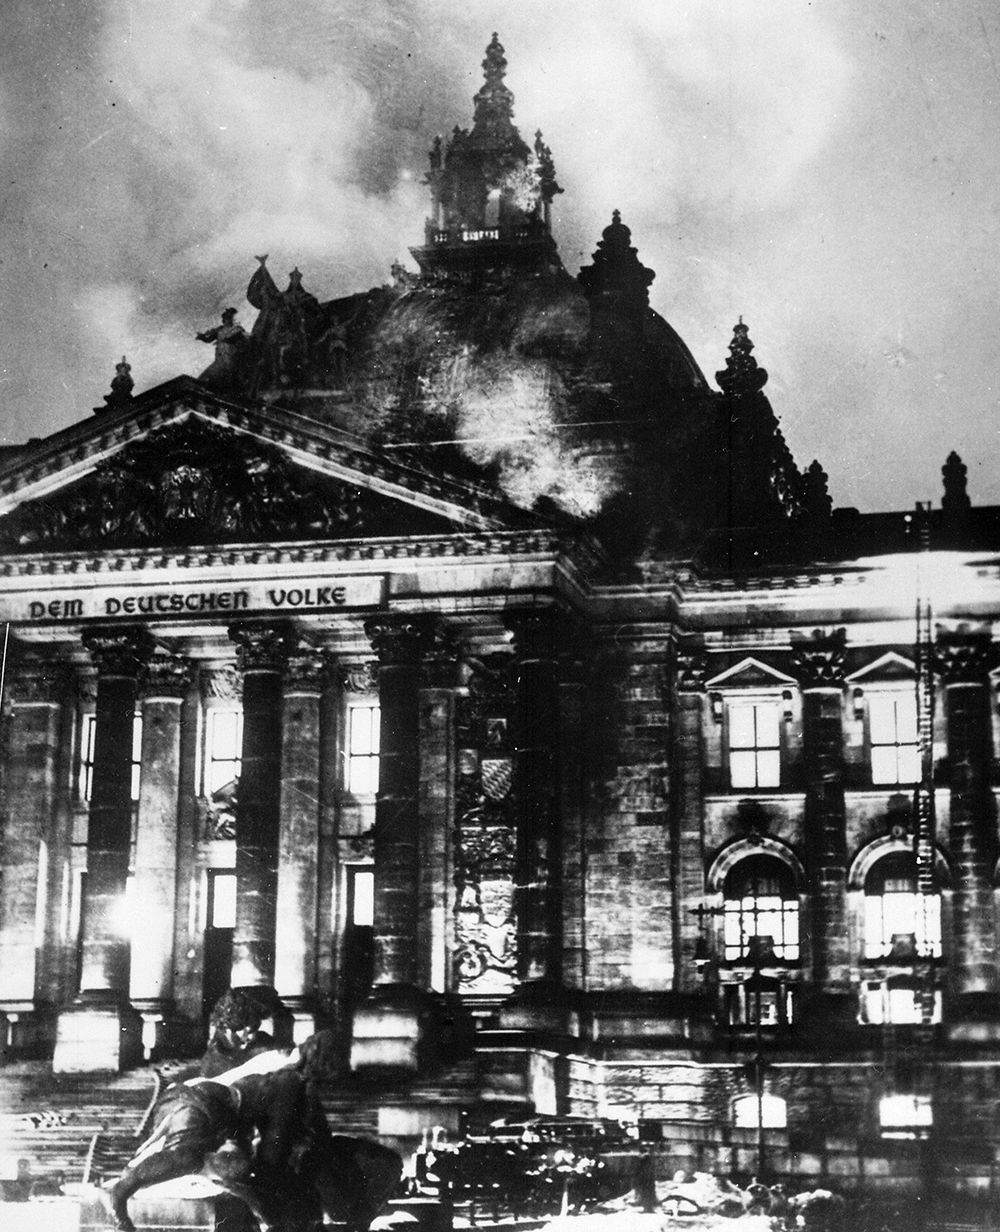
(827, 171)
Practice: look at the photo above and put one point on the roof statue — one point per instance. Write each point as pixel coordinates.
(226, 371)
(121, 388)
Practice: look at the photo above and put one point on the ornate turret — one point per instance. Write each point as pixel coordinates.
(741, 374)
(955, 501)
(490, 191)
(617, 276)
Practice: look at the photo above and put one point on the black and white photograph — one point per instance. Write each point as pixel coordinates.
(499, 562)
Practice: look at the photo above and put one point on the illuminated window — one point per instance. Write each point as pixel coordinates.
(898, 1001)
(362, 749)
(905, 1116)
(360, 896)
(754, 744)
(223, 746)
(900, 924)
(760, 911)
(88, 733)
(770, 1111)
(221, 899)
(892, 731)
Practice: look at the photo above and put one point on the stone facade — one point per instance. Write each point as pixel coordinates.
(663, 806)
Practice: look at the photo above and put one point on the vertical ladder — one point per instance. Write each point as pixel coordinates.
(923, 802)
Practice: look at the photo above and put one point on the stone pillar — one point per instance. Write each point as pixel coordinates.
(435, 891)
(298, 840)
(261, 654)
(687, 762)
(536, 739)
(165, 686)
(963, 661)
(572, 757)
(38, 690)
(820, 666)
(389, 1028)
(102, 1031)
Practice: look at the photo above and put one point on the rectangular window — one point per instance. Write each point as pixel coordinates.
(892, 730)
(899, 1005)
(88, 732)
(361, 896)
(754, 744)
(221, 899)
(899, 920)
(223, 746)
(905, 1116)
(362, 749)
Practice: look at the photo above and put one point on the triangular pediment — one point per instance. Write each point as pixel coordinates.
(887, 667)
(750, 673)
(181, 466)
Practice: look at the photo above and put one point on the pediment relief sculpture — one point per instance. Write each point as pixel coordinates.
(194, 482)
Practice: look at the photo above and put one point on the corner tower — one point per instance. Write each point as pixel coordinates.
(491, 193)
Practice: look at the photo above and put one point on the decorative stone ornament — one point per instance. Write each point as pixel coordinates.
(963, 658)
(819, 663)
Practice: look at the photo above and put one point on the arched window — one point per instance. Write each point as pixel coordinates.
(760, 912)
(900, 924)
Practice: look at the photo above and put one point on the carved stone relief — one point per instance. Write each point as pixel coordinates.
(486, 838)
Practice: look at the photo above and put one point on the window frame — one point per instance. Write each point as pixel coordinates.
(755, 753)
(86, 745)
(364, 758)
(787, 943)
(892, 692)
(207, 760)
(928, 945)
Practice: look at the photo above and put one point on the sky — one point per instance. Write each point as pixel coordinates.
(828, 170)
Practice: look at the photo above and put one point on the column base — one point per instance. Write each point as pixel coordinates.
(27, 1030)
(99, 1032)
(391, 1029)
(305, 1019)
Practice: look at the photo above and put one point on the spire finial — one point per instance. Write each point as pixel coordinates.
(741, 374)
(955, 475)
(494, 114)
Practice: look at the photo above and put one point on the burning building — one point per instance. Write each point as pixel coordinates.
(452, 663)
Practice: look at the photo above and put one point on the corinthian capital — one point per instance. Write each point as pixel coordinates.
(119, 651)
(963, 658)
(39, 681)
(167, 676)
(819, 663)
(402, 639)
(260, 647)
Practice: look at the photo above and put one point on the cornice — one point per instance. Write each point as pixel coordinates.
(465, 545)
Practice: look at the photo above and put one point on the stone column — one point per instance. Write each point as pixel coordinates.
(435, 892)
(572, 805)
(261, 654)
(298, 839)
(687, 761)
(820, 666)
(963, 661)
(38, 690)
(103, 1031)
(536, 791)
(166, 684)
(388, 1029)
